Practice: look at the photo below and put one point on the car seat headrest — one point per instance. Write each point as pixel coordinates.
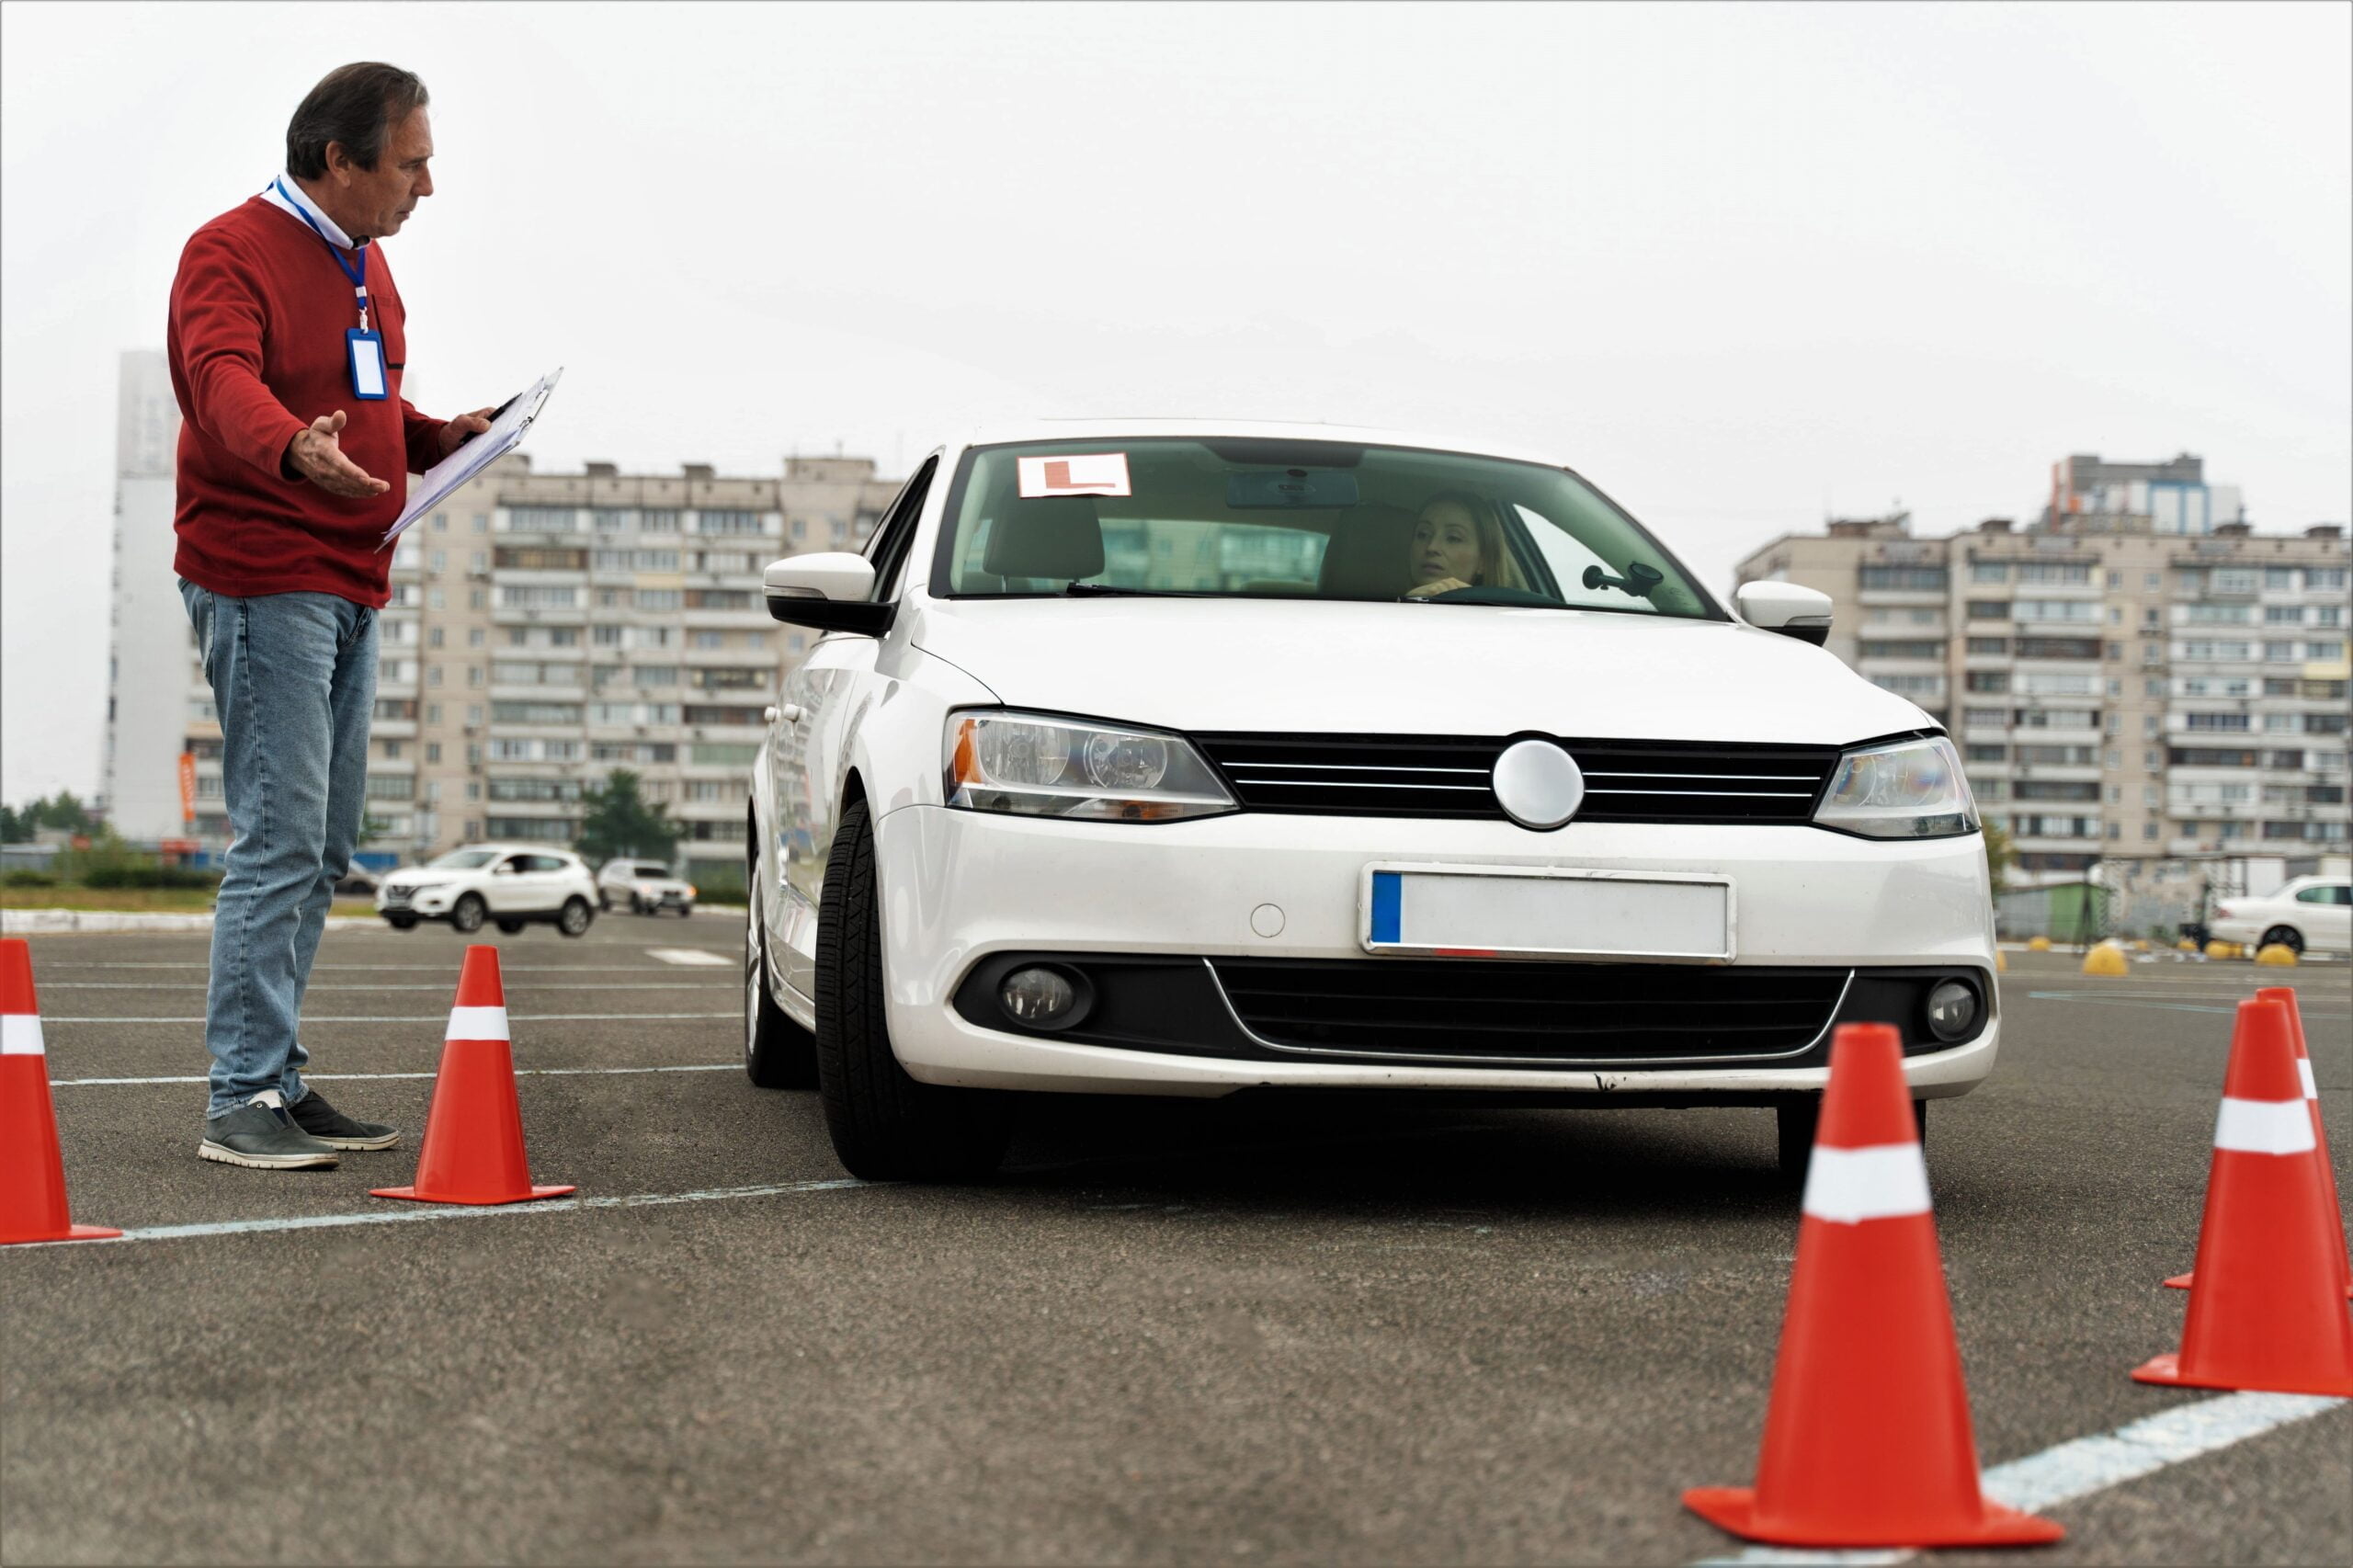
(1367, 556)
(1055, 536)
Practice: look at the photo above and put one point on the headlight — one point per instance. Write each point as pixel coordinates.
(1913, 789)
(1034, 765)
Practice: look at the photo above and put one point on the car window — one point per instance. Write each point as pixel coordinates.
(465, 859)
(541, 862)
(653, 874)
(894, 538)
(2316, 895)
(1308, 519)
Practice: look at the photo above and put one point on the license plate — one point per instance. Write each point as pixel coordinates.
(1518, 912)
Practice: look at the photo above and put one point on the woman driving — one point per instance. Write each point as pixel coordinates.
(1457, 543)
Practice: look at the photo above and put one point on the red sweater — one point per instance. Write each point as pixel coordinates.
(259, 310)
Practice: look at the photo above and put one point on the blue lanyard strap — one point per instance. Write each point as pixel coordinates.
(359, 275)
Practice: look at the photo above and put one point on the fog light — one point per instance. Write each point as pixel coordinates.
(1039, 997)
(1952, 1009)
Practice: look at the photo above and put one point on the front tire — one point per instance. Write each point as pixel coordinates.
(885, 1125)
(466, 916)
(573, 920)
(2287, 936)
(1795, 1122)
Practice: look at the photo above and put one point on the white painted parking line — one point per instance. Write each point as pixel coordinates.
(404, 985)
(2073, 1471)
(688, 956)
(2225, 1008)
(48, 966)
(428, 1018)
(376, 1077)
(446, 1212)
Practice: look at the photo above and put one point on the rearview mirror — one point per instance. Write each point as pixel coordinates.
(1793, 611)
(831, 591)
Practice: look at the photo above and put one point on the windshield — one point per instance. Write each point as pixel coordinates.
(653, 874)
(465, 859)
(1298, 520)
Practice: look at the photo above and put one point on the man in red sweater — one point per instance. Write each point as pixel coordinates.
(287, 344)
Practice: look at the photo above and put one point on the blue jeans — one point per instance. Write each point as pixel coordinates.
(294, 679)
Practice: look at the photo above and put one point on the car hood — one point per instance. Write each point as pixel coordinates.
(1409, 669)
(422, 879)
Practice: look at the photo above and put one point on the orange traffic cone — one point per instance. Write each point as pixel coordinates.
(32, 1173)
(473, 1130)
(2286, 995)
(2267, 1310)
(1868, 1438)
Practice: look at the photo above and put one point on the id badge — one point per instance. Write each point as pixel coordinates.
(368, 382)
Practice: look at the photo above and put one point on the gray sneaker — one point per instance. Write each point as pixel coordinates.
(260, 1134)
(322, 1121)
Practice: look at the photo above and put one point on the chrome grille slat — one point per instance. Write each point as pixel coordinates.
(1421, 775)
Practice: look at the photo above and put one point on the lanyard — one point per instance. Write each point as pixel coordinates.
(356, 275)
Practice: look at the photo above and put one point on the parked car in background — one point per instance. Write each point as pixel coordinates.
(1178, 758)
(642, 887)
(511, 884)
(2308, 915)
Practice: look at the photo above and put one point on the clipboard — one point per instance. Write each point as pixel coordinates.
(477, 452)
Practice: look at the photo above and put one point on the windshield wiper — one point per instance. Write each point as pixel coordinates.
(1084, 589)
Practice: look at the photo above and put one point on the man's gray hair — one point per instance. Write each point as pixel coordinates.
(353, 105)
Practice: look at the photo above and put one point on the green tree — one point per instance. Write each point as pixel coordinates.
(13, 829)
(1999, 856)
(619, 822)
(62, 811)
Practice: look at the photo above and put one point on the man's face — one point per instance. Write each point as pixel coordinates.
(376, 201)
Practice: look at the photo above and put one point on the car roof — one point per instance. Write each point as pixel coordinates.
(1113, 428)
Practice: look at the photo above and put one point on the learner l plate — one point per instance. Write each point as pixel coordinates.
(1524, 912)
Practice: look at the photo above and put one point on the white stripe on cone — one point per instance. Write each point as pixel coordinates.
(1880, 1181)
(2304, 1069)
(20, 1035)
(2263, 1126)
(477, 1023)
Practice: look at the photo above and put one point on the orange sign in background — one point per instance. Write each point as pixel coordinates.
(188, 786)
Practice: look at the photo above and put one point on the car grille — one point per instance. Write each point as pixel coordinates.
(1441, 776)
(399, 898)
(1437, 1009)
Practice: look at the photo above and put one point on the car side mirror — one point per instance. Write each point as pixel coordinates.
(1793, 611)
(504, 869)
(831, 591)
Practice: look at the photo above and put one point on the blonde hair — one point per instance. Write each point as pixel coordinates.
(1497, 566)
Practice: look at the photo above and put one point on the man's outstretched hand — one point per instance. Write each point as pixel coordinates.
(463, 425)
(316, 455)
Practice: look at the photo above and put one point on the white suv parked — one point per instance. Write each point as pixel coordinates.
(644, 887)
(510, 884)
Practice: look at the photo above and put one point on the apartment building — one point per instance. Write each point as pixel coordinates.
(546, 629)
(2119, 692)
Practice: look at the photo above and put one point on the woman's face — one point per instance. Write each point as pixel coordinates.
(1446, 544)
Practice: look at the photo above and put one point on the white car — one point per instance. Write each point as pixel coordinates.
(2308, 915)
(511, 884)
(642, 887)
(1180, 758)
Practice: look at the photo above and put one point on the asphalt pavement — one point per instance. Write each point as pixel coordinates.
(1252, 1330)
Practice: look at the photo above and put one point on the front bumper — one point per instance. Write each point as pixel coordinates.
(958, 886)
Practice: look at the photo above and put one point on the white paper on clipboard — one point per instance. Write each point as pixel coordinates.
(505, 433)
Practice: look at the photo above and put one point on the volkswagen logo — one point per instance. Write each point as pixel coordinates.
(1538, 785)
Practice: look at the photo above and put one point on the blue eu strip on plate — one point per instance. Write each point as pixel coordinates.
(1387, 891)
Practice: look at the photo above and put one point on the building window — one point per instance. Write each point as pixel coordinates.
(1905, 579)
(433, 751)
(658, 520)
(1989, 571)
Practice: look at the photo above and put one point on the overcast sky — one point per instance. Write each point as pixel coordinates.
(1737, 265)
